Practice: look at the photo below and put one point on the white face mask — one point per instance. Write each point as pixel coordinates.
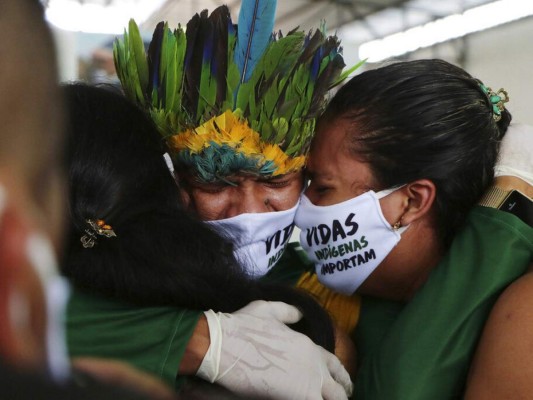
(259, 238)
(56, 289)
(346, 241)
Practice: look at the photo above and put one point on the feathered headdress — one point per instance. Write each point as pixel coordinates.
(232, 98)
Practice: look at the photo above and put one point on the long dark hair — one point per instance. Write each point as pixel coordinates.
(161, 255)
(424, 119)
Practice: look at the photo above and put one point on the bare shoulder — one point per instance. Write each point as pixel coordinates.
(515, 301)
(502, 366)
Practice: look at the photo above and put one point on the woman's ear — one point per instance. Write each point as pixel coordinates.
(418, 201)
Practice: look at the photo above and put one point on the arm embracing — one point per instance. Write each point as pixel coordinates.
(253, 353)
(502, 367)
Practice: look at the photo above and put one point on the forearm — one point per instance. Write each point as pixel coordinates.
(502, 364)
(196, 348)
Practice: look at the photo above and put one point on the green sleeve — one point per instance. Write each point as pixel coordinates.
(152, 339)
(290, 267)
(427, 346)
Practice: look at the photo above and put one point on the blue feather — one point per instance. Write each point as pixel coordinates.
(154, 59)
(254, 32)
(315, 65)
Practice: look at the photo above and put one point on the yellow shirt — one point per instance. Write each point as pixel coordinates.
(344, 310)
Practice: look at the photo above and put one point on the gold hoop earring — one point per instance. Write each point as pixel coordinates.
(397, 225)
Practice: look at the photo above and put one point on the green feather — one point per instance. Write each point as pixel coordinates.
(171, 78)
(232, 74)
(160, 119)
(302, 138)
(138, 61)
(281, 128)
(243, 96)
(261, 96)
(119, 58)
(207, 94)
(120, 51)
(346, 73)
(131, 63)
(282, 54)
(166, 73)
(176, 84)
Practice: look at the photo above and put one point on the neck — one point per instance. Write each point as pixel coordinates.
(407, 267)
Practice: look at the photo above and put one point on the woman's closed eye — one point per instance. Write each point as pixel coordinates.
(318, 188)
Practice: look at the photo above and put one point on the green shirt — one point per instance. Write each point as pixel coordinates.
(423, 349)
(151, 338)
(290, 267)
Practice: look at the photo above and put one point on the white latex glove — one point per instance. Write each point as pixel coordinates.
(253, 353)
(515, 154)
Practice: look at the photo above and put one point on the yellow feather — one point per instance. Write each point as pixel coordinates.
(228, 128)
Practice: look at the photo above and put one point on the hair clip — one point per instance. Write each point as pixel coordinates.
(98, 227)
(497, 100)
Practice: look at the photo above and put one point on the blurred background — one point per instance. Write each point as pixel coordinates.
(491, 39)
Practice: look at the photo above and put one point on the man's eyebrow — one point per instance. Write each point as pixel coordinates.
(199, 181)
(282, 176)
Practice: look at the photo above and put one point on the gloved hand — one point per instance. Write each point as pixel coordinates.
(253, 353)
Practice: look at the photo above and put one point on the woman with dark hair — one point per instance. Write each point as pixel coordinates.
(401, 157)
(143, 271)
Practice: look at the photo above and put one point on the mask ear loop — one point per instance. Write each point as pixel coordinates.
(170, 164)
(397, 227)
(386, 192)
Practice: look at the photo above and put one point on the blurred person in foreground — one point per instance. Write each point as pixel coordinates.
(33, 358)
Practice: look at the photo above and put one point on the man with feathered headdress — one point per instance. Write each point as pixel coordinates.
(237, 105)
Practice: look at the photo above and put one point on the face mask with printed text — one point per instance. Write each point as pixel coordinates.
(259, 239)
(348, 240)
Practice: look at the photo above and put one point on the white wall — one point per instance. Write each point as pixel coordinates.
(66, 48)
(501, 57)
(73, 47)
